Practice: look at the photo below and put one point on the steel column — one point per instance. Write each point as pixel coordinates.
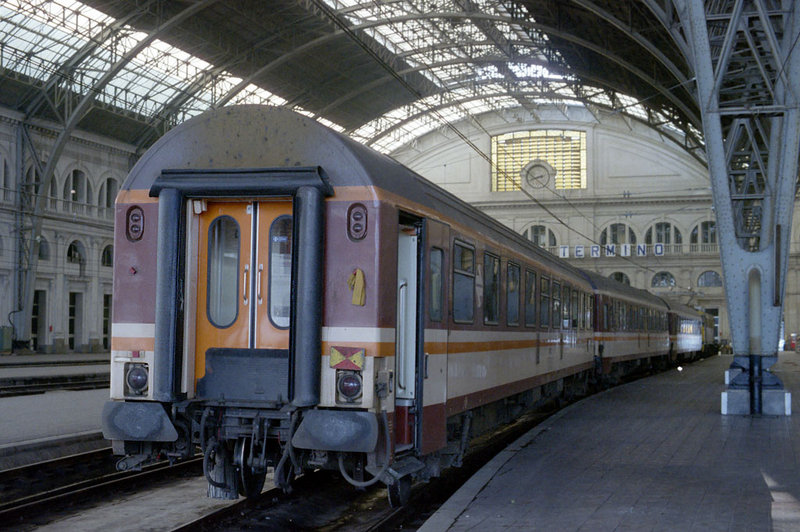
(746, 73)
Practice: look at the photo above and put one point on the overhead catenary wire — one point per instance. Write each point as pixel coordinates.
(347, 30)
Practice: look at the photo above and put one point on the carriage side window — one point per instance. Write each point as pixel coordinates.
(437, 286)
(556, 304)
(491, 288)
(565, 308)
(463, 283)
(223, 272)
(512, 294)
(280, 270)
(623, 324)
(575, 314)
(585, 311)
(530, 299)
(544, 303)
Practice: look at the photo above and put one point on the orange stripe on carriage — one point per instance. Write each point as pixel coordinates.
(124, 343)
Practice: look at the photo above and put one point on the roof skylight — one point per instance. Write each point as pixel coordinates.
(477, 60)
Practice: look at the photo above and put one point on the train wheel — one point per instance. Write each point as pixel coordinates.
(251, 481)
(399, 492)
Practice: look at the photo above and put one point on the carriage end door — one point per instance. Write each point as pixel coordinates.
(243, 282)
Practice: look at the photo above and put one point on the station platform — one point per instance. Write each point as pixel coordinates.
(654, 454)
(47, 425)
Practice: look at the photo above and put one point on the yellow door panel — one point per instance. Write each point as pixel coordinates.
(224, 278)
(274, 268)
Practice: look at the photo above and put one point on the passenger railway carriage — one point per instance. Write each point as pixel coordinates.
(286, 297)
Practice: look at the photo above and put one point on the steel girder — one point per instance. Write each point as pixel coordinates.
(747, 83)
(30, 228)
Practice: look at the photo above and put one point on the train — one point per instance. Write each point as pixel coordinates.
(288, 299)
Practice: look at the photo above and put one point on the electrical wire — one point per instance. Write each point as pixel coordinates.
(347, 30)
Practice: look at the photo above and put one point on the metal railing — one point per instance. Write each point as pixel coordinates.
(57, 205)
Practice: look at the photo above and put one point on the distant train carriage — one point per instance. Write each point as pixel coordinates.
(685, 332)
(287, 298)
(631, 324)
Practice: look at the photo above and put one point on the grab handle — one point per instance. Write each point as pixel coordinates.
(258, 282)
(244, 284)
(401, 338)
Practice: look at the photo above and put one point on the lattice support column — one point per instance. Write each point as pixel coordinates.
(747, 83)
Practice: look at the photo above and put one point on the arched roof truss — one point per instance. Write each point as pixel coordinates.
(355, 65)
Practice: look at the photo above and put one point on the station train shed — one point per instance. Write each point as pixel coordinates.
(655, 141)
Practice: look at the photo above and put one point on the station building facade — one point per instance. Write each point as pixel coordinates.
(72, 298)
(601, 190)
(607, 193)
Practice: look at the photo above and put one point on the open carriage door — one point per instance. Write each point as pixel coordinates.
(243, 298)
(421, 339)
(407, 406)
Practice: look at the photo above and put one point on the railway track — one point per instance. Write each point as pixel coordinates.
(30, 386)
(35, 493)
(323, 501)
(49, 363)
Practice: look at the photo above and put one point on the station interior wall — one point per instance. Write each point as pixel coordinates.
(72, 304)
(635, 176)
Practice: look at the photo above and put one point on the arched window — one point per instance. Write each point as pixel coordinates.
(617, 234)
(75, 253)
(620, 278)
(33, 180)
(107, 259)
(704, 237)
(664, 233)
(541, 236)
(709, 279)
(552, 158)
(108, 193)
(77, 192)
(663, 280)
(44, 249)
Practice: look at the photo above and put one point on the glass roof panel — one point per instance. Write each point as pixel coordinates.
(480, 61)
(38, 37)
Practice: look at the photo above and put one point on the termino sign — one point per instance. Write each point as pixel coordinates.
(609, 250)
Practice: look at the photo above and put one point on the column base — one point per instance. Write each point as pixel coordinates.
(773, 403)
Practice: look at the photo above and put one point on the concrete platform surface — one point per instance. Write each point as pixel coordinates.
(52, 414)
(655, 454)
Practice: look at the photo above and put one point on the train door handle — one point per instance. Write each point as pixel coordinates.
(244, 283)
(401, 336)
(258, 282)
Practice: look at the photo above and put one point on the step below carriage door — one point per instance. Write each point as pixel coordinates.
(243, 299)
